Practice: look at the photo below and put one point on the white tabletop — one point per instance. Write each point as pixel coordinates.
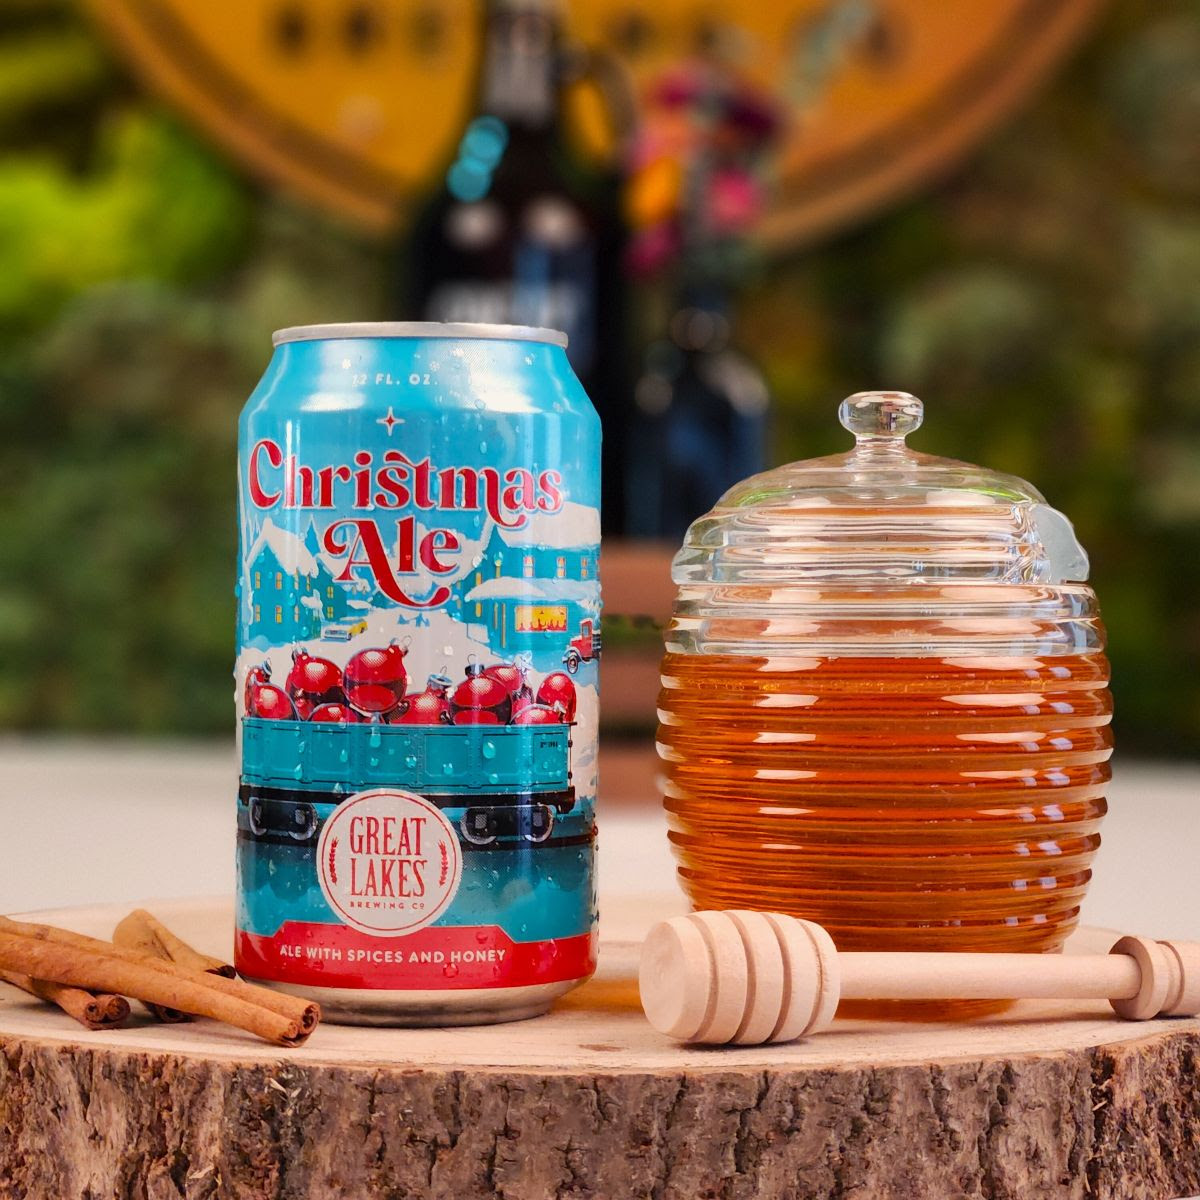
(92, 822)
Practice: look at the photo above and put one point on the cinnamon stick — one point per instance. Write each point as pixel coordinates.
(92, 1011)
(144, 942)
(142, 930)
(65, 957)
(305, 1012)
(116, 1008)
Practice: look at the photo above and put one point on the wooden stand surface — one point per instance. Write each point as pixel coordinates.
(1053, 1099)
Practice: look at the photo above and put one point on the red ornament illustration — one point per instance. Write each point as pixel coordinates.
(508, 674)
(515, 677)
(256, 678)
(540, 714)
(430, 707)
(269, 702)
(313, 681)
(479, 694)
(477, 716)
(375, 680)
(334, 713)
(558, 688)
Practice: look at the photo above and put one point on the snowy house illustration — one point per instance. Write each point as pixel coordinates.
(536, 584)
(291, 592)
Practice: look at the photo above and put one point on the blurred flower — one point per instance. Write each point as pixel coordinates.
(650, 250)
(694, 178)
(735, 201)
(655, 192)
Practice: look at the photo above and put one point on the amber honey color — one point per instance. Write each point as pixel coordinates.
(904, 803)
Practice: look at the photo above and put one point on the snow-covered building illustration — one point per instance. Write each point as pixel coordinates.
(537, 580)
(518, 589)
(290, 593)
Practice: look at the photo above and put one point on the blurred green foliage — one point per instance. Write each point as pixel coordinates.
(140, 278)
(1044, 300)
(151, 206)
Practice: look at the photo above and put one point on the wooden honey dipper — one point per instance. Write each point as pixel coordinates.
(753, 977)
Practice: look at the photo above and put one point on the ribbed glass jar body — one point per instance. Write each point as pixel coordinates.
(887, 711)
(905, 803)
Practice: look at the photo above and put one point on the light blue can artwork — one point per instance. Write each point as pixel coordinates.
(417, 671)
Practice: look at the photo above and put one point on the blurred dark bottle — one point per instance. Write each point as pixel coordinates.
(524, 230)
(701, 420)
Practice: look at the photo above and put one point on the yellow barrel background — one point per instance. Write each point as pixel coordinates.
(357, 105)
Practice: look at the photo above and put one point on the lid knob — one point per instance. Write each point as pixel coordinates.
(872, 416)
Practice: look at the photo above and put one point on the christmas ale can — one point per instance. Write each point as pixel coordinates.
(418, 622)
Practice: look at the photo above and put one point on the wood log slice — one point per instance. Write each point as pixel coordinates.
(1050, 1100)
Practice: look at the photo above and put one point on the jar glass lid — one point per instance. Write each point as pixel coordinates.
(882, 514)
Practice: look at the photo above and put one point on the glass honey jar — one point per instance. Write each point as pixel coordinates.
(885, 702)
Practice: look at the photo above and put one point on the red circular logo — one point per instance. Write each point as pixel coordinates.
(390, 862)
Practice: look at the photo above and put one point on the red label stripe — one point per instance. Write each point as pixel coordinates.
(437, 958)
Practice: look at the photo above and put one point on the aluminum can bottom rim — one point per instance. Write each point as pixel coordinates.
(467, 1006)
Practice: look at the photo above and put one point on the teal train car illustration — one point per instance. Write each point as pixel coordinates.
(493, 782)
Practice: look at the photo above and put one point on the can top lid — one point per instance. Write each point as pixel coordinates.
(419, 329)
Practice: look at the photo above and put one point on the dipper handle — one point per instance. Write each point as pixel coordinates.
(753, 977)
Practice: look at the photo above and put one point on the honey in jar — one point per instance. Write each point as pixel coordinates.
(885, 703)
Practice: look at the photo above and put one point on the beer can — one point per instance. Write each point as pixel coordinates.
(417, 672)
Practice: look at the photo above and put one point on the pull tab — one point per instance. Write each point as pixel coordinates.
(881, 419)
